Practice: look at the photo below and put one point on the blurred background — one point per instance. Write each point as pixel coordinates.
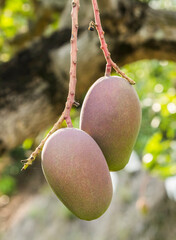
(34, 74)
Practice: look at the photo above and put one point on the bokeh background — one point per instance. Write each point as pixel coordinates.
(34, 74)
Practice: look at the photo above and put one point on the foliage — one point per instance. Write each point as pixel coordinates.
(156, 143)
(7, 185)
(17, 18)
(8, 179)
(14, 19)
(169, 4)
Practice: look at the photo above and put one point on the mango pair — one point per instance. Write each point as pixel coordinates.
(76, 163)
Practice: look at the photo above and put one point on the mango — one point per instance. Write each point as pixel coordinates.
(111, 115)
(76, 170)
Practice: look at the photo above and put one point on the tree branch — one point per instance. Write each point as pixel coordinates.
(34, 83)
(146, 33)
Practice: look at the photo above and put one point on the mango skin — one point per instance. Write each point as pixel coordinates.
(111, 114)
(76, 170)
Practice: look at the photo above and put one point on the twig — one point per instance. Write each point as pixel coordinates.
(104, 46)
(72, 86)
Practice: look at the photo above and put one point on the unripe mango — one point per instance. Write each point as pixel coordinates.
(76, 170)
(111, 114)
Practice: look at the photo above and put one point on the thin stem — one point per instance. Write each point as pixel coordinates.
(104, 46)
(72, 86)
(73, 62)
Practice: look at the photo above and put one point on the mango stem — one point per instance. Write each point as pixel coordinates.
(104, 46)
(72, 87)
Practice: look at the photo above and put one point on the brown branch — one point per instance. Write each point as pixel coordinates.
(72, 86)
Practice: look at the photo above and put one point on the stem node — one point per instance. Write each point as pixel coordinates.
(73, 4)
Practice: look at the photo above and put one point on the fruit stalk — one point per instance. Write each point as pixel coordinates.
(72, 86)
(73, 62)
(104, 46)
